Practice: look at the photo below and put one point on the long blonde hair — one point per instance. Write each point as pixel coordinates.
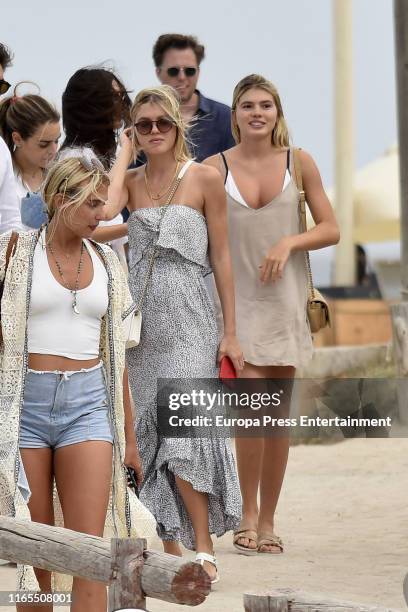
(280, 133)
(166, 97)
(75, 178)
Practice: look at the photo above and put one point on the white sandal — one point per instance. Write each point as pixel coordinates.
(201, 557)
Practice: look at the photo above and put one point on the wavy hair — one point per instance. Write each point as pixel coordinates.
(166, 97)
(280, 133)
(89, 107)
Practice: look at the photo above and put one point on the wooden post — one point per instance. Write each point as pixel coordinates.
(401, 64)
(163, 576)
(125, 589)
(267, 602)
(282, 600)
(344, 168)
(399, 312)
(405, 588)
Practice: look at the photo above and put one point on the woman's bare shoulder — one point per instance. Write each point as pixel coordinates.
(134, 182)
(205, 173)
(134, 174)
(214, 160)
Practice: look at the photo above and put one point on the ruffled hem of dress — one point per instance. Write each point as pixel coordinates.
(176, 525)
(216, 477)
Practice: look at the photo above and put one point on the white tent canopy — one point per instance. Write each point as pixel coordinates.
(376, 200)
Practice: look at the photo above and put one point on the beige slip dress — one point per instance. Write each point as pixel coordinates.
(272, 325)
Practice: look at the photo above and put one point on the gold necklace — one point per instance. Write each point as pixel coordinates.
(160, 195)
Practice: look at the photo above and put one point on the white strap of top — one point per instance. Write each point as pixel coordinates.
(184, 169)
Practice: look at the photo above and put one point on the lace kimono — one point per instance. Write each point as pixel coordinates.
(126, 516)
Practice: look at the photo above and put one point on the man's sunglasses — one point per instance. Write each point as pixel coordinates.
(174, 71)
(4, 86)
(145, 126)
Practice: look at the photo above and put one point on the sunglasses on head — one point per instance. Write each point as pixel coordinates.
(4, 86)
(145, 126)
(174, 71)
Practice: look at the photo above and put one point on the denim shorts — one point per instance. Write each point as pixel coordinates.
(61, 408)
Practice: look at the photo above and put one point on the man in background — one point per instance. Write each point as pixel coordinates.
(177, 58)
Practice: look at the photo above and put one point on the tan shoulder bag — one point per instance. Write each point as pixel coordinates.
(317, 308)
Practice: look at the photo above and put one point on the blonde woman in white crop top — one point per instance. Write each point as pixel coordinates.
(70, 424)
(270, 281)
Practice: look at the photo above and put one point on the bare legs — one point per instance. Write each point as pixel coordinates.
(83, 476)
(38, 465)
(261, 464)
(172, 547)
(196, 504)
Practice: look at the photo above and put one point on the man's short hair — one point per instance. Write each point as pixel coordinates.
(6, 56)
(176, 41)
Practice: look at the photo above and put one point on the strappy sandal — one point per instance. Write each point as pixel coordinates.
(270, 539)
(201, 557)
(245, 533)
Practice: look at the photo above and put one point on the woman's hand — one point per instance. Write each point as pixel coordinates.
(132, 459)
(126, 142)
(229, 346)
(275, 261)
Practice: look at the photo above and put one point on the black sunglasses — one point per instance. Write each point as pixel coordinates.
(174, 71)
(4, 86)
(145, 126)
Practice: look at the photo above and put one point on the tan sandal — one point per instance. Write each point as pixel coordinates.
(270, 539)
(245, 533)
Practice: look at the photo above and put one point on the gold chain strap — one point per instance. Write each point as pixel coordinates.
(155, 250)
(302, 216)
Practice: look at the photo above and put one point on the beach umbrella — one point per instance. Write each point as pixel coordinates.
(376, 200)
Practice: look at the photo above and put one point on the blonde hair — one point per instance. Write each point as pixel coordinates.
(280, 133)
(166, 97)
(75, 178)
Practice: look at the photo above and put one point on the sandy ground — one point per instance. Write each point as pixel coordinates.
(343, 518)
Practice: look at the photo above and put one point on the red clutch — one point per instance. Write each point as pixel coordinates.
(227, 369)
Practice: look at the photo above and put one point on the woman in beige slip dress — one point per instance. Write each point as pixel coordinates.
(268, 258)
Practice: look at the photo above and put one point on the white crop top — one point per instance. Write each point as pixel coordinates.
(53, 327)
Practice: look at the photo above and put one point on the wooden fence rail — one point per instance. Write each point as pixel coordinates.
(131, 571)
(288, 600)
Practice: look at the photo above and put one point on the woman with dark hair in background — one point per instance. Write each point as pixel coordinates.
(95, 105)
(30, 126)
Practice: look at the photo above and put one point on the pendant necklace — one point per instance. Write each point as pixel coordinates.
(75, 289)
(160, 195)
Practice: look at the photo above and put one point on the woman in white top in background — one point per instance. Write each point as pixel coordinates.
(30, 126)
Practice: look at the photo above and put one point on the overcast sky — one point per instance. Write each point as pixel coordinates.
(289, 41)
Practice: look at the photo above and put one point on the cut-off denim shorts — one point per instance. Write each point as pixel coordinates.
(61, 408)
